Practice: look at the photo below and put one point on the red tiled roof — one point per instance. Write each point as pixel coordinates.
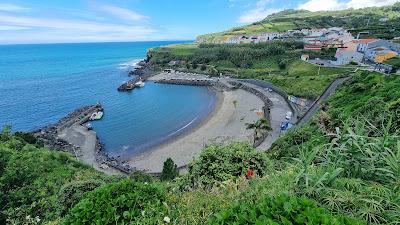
(364, 41)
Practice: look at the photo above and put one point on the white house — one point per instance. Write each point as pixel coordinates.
(347, 54)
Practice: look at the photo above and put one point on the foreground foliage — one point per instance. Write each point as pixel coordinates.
(280, 210)
(220, 163)
(125, 202)
(341, 168)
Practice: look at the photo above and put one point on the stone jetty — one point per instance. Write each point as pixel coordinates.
(69, 135)
(49, 134)
(179, 78)
(141, 73)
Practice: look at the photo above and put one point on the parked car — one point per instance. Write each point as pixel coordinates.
(289, 115)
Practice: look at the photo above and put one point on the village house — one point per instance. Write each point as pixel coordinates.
(379, 54)
(386, 44)
(362, 44)
(305, 57)
(313, 47)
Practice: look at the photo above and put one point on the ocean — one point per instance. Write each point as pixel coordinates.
(39, 84)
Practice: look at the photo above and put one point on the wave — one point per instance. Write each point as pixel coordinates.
(129, 65)
(184, 127)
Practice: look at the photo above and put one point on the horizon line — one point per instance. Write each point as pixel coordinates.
(90, 42)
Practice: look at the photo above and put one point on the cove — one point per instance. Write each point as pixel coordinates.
(40, 84)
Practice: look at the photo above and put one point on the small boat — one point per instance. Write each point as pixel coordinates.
(89, 126)
(96, 116)
(139, 84)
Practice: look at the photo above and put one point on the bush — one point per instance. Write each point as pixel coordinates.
(220, 163)
(280, 210)
(125, 202)
(170, 170)
(140, 176)
(71, 193)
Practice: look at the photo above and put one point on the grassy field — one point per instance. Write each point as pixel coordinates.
(283, 69)
(355, 20)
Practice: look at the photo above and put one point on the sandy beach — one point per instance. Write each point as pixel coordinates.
(225, 124)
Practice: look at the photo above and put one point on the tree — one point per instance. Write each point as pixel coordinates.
(170, 170)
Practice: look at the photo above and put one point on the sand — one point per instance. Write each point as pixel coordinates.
(227, 123)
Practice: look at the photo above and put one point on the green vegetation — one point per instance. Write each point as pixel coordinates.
(170, 170)
(37, 184)
(355, 20)
(280, 210)
(394, 62)
(341, 168)
(277, 62)
(219, 163)
(125, 202)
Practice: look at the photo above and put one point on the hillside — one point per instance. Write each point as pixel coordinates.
(341, 168)
(277, 62)
(383, 22)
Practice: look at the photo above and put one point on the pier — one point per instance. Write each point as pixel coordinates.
(69, 134)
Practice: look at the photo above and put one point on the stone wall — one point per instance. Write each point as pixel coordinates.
(200, 82)
(268, 105)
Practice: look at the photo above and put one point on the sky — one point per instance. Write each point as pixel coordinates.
(71, 21)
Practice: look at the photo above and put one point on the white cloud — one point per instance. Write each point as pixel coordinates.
(77, 25)
(11, 8)
(259, 12)
(26, 29)
(123, 13)
(256, 15)
(324, 5)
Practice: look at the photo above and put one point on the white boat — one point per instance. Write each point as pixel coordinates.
(89, 126)
(139, 84)
(96, 116)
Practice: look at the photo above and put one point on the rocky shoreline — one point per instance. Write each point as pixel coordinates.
(50, 136)
(142, 72)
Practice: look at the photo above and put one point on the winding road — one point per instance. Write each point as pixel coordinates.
(317, 104)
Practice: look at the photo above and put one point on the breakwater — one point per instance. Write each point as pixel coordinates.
(141, 73)
(197, 82)
(49, 134)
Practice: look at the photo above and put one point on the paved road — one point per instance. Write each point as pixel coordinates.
(278, 114)
(317, 105)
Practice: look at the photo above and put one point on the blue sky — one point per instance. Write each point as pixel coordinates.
(54, 21)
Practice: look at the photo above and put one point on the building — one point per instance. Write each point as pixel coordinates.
(346, 56)
(362, 44)
(313, 47)
(379, 54)
(386, 44)
(348, 53)
(305, 57)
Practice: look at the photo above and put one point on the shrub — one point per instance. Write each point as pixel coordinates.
(125, 202)
(279, 210)
(140, 176)
(221, 163)
(170, 170)
(71, 193)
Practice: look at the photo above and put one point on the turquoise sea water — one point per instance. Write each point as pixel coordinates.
(39, 84)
